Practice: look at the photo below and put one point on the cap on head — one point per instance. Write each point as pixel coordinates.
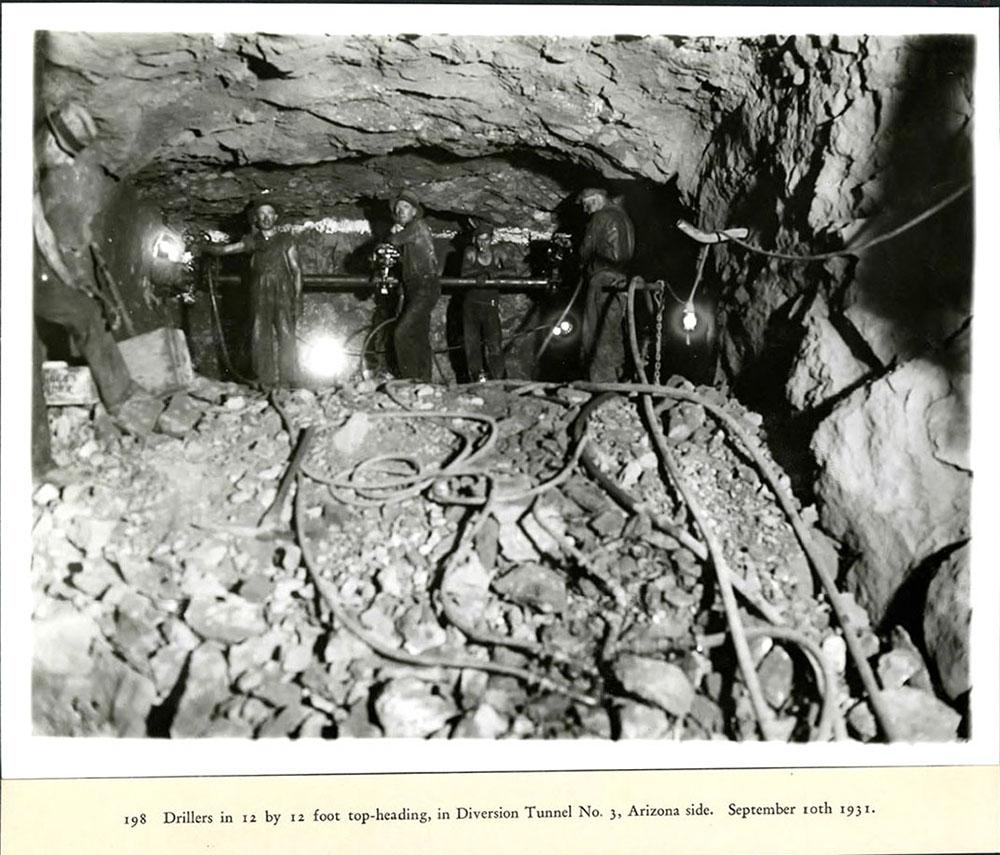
(410, 198)
(589, 192)
(73, 127)
(258, 202)
(483, 229)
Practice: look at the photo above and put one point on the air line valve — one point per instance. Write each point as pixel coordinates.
(556, 254)
(384, 259)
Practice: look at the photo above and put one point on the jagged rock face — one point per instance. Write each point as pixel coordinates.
(247, 105)
(843, 141)
(838, 146)
(490, 188)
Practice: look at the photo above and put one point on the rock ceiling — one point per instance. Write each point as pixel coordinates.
(501, 127)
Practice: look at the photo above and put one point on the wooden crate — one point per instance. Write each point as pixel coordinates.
(68, 385)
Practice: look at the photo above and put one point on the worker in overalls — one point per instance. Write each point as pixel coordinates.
(605, 252)
(68, 191)
(275, 295)
(421, 288)
(481, 335)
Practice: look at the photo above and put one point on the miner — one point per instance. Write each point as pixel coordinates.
(67, 194)
(605, 252)
(275, 295)
(481, 334)
(421, 288)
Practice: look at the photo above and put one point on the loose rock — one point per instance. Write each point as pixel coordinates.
(206, 688)
(407, 707)
(484, 723)
(660, 683)
(919, 716)
(231, 619)
(637, 721)
(535, 586)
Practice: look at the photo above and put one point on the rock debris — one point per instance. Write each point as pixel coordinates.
(162, 608)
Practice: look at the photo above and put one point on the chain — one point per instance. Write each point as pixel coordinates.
(660, 304)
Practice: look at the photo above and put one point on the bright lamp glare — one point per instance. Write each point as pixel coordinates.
(169, 246)
(323, 355)
(564, 327)
(689, 319)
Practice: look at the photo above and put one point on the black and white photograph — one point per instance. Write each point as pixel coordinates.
(546, 387)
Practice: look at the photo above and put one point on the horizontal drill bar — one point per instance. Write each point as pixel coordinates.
(347, 282)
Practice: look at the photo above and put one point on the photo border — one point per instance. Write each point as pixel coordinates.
(27, 756)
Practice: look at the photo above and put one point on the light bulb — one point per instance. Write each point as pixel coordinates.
(690, 318)
(169, 246)
(324, 356)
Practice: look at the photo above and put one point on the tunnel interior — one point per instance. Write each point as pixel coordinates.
(302, 194)
(851, 363)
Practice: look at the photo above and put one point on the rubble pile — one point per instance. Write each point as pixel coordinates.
(448, 568)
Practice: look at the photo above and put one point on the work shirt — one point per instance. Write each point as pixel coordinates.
(275, 305)
(419, 261)
(474, 268)
(608, 241)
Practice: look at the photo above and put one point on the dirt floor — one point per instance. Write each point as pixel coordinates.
(493, 560)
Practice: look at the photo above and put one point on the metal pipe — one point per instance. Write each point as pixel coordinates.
(338, 281)
(349, 282)
(717, 236)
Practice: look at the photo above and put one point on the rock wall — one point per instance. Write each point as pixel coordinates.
(193, 111)
(844, 140)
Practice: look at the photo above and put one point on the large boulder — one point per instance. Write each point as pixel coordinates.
(946, 622)
(890, 484)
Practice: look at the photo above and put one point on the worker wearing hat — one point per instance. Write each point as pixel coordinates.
(605, 252)
(65, 199)
(72, 128)
(275, 294)
(73, 186)
(481, 334)
(421, 287)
